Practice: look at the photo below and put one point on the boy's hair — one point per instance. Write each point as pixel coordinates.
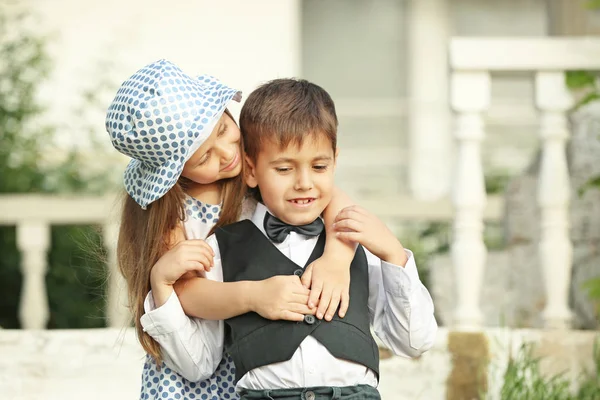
(285, 111)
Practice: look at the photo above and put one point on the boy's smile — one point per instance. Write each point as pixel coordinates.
(295, 182)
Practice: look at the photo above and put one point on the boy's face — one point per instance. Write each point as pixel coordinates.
(296, 182)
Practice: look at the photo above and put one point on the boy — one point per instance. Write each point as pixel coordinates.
(290, 130)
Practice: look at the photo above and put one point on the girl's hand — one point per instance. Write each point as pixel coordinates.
(280, 297)
(355, 224)
(192, 257)
(329, 282)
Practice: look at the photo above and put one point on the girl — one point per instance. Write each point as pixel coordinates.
(183, 180)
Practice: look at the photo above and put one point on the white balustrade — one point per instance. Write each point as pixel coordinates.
(33, 240)
(547, 59)
(470, 97)
(117, 312)
(33, 215)
(555, 249)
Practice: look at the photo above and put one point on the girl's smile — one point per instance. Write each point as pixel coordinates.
(234, 163)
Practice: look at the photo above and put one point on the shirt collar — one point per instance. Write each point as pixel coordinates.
(259, 216)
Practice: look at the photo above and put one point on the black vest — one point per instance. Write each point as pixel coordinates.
(253, 341)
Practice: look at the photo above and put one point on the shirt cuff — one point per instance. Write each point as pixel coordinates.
(398, 280)
(165, 319)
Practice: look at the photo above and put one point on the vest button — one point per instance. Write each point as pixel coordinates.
(309, 395)
(309, 319)
(298, 272)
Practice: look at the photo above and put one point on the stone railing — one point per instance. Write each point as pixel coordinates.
(34, 214)
(472, 63)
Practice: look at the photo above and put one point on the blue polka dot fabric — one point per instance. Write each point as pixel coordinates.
(166, 384)
(159, 117)
(205, 213)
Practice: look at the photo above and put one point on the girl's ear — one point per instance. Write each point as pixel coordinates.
(250, 173)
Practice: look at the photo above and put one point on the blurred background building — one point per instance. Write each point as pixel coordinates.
(453, 118)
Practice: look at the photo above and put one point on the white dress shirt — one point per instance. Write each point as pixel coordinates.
(400, 311)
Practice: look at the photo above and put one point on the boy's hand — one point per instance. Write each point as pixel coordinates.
(355, 224)
(190, 257)
(280, 297)
(330, 281)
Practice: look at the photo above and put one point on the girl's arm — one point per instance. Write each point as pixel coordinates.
(329, 276)
(186, 264)
(191, 346)
(279, 297)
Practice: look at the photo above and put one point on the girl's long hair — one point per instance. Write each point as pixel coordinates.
(145, 235)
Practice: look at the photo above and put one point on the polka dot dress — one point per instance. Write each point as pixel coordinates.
(198, 211)
(164, 383)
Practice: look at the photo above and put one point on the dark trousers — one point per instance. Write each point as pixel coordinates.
(359, 392)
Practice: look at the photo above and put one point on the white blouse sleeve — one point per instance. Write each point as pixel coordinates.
(192, 347)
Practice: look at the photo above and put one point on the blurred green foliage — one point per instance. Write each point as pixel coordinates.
(584, 85)
(523, 379)
(76, 275)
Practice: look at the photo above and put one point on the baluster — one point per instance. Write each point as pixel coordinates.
(117, 313)
(555, 249)
(470, 97)
(33, 241)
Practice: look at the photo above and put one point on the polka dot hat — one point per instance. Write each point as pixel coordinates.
(160, 117)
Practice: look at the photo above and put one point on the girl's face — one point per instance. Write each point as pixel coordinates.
(219, 157)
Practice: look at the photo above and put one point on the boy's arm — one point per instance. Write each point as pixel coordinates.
(329, 276)
(400, 307)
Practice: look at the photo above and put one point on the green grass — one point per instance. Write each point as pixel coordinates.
(523, 380)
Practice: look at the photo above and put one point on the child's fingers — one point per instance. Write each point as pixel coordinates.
(315, 294)
(333, 305)
(299, 298)
(349, 236)
(306, 277)
(302, 291)
(202, 260)
(199, 243)
(324, 302)
(354, 212)
(347, 225)
(344, 303)
(300, 309)
(197, 253)
(292, 316)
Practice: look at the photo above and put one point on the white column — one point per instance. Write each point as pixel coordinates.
(555, 249)
(117, 313)
(470, 97)
(33, 241)
(429, 117)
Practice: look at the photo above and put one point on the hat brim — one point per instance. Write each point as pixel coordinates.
(145, 183)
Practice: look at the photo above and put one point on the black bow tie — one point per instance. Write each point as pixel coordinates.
(277, 230)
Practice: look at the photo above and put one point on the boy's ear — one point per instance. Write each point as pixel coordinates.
(250, 173)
